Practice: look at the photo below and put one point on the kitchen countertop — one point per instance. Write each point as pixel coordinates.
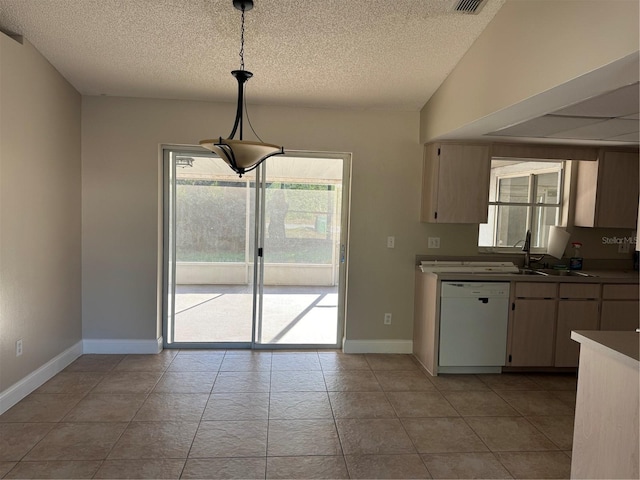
(624, 346)
(598, 276)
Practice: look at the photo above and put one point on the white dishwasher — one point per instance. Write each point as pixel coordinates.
(473, 327)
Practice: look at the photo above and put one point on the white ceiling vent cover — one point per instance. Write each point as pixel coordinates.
(469, 6)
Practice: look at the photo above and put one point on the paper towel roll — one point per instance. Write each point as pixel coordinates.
(558, 238)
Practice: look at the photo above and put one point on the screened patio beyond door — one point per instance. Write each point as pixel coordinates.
(299, 231)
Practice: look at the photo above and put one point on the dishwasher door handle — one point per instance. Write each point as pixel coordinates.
(484, 299)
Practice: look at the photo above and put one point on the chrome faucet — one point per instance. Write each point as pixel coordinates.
(526, 248)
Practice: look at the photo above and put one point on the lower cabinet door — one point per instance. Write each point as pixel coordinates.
(620, 315)
(573, 315)
(532, 332)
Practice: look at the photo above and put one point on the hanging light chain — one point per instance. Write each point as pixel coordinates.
(242, 42)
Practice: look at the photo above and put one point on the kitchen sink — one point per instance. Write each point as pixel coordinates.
(567, 273)
(529, 271)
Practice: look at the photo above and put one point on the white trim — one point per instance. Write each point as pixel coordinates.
(377, 346)
(109, 346)
(469, 369)
(35, 379)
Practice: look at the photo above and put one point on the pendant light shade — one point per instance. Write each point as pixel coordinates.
(242, 155)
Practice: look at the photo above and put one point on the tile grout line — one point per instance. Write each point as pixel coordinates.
(102, 461)
(494, 453)
(134, 415)
(184, 466)
(543, 434)
(335, 424)
(58, 422)
(266, 447)
(488, 447)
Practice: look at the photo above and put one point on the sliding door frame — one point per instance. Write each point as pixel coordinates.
(345, 203)
(169, 255)
(169, 252)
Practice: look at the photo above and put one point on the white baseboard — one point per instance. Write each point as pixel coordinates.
(35, 379)
(469, 370)
(109, 346)
(377, 346)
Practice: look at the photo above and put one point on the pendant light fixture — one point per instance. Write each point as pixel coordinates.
(242, 155)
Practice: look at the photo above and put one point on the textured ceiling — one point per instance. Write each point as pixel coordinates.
(379, 54)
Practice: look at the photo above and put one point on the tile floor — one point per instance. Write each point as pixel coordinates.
(312, 414)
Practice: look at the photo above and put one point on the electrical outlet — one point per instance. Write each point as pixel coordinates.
(387, 319)
(18, 348)
(433, 242)
(391, 242)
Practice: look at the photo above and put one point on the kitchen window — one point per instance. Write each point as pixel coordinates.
(524, 195)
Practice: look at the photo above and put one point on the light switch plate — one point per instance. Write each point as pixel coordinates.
(624, 247)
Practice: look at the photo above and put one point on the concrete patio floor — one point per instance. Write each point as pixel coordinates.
(222, 313)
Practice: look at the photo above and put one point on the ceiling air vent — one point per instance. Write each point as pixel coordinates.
(469, 6)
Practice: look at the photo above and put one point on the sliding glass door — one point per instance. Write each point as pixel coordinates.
(257, 261)
(301, 239)
(209, 239)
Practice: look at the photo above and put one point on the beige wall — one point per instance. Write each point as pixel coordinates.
(121, 206)
(40, 283)
(530, 49)
(121, 186)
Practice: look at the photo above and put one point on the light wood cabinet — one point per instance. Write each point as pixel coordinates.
(590, 291)
(532, 325)
(455, 183)
(578, 309)
(573, 315)
(620, 307)
(542, 316)
(532, 331)
(426, 328)
(607, 191)
(614, 291)
(535, 290)
(620, 315)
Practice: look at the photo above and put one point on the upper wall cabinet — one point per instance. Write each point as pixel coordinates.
(455, 183)
(607, 191)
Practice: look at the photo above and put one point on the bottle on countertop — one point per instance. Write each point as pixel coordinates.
(575, 262)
